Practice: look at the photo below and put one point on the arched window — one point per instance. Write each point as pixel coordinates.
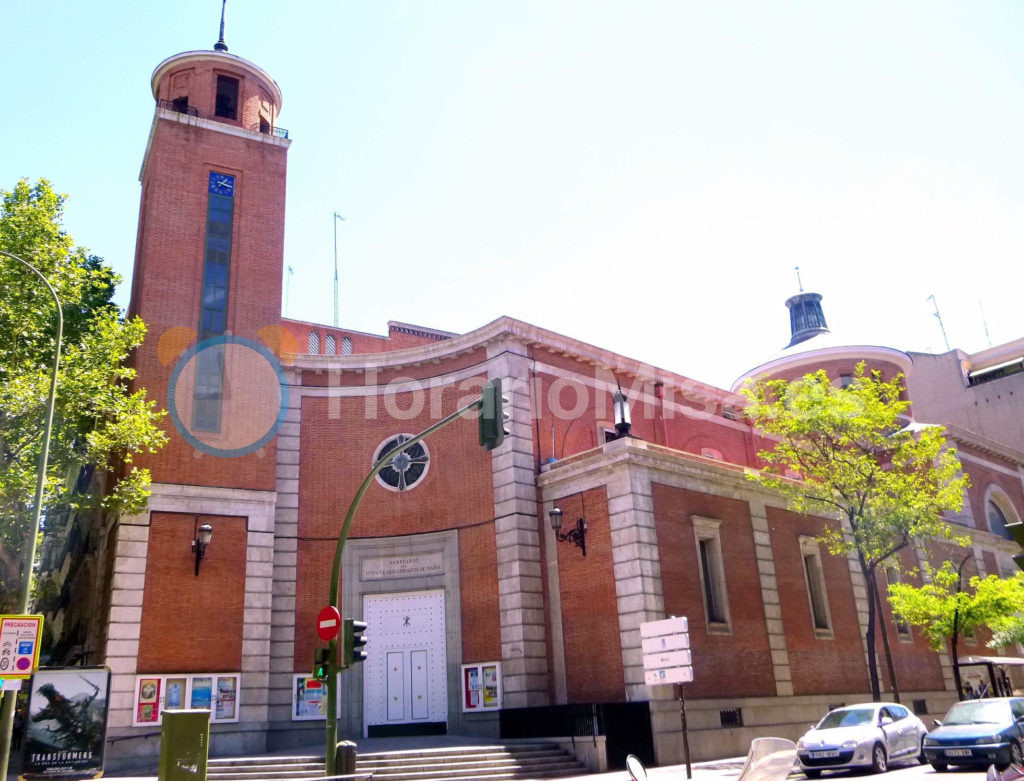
(997, 520)
(330, 344)
(313, 343)
(346, 346)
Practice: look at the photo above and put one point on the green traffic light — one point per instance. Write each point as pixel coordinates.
(493, 415)
(352, 641)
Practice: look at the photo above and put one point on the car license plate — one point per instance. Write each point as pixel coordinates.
(824, 754)
(958, 752)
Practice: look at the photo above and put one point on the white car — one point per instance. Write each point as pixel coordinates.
(871, 735)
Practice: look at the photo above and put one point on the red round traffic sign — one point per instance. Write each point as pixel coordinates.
(328, 623)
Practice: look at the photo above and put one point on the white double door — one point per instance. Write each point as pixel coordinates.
(405, 678)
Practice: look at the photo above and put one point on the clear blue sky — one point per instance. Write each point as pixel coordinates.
(639, 175)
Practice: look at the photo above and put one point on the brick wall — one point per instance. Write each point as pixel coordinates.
(820, 665)
(738, 664)
(193, 624)
(478, 571)
(590, 624)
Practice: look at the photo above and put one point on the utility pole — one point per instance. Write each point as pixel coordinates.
(336, 218)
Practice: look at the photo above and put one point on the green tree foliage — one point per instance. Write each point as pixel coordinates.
(946, 611)
(846, 454)
(97, 420)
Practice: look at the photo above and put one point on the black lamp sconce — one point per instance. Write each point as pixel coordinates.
(200, 542)
(620, 408)
(577, 535)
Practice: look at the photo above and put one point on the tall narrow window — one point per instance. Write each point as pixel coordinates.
(213, 310)
(712, 574)
(346, 346)
(330, 344)
(227, 98)
(313, 343)
(903, 630)
(815, 581)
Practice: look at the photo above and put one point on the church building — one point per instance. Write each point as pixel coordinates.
(483, 618)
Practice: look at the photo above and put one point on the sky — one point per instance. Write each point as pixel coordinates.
(642, 175)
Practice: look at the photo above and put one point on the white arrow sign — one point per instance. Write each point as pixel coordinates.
(671, 675)
(652, 645)
(668, 659)
(669, 626)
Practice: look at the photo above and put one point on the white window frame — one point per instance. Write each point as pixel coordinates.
(810, 546)
(904, 631)
(187, 695)
(708, 530)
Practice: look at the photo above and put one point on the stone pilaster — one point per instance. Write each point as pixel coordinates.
(781, 668)
(281, 613)
(520, 584)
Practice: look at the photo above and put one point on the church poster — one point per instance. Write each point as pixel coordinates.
(67, 723)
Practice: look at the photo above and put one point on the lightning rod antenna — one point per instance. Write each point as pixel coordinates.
(984, 322)
(220, 46)
(799, 282)
(336, 218)
(939, 318)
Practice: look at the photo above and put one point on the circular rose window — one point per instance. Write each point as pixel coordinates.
(407, 468)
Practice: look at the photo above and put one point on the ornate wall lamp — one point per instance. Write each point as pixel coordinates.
(200, 542)
(577, 535)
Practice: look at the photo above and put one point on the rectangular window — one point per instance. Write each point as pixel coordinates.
(213, 311)
(814, 578)
(227, 97)
(903, 630)
(712, 573)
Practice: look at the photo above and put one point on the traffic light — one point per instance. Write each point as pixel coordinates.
(352, 640)
(494, 417)
(1016, 531)
(321, 659)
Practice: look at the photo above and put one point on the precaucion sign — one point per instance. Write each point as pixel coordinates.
(19, 645)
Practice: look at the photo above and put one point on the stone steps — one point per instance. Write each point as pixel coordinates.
(463, 763)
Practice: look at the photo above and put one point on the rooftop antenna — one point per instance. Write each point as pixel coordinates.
(939, 318)
(336, 218)
(220, 46)
(288, 289)
(799, 282)
(984, 322)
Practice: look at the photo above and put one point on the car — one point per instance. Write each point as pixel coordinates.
(989, 731)
(869, 735)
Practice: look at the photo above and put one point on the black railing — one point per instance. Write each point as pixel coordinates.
(181, 108)
(267, 130)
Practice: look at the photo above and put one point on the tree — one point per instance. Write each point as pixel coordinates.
(947, 611)
(845, 453)
(98, 421)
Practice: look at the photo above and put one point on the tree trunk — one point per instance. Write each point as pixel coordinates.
(956, 663)
(885, 642)
(868, 574)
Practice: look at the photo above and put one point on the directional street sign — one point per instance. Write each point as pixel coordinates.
(666, 656)
(328, 623)
(19, 645)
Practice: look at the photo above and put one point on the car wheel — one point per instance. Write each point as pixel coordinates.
(920, 754)
(939, 767)
(1016, 753)
(879, 760)
(812, 773)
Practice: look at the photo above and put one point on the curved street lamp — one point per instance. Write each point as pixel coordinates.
(7, 714)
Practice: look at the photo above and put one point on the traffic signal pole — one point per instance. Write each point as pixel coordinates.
(332, 653)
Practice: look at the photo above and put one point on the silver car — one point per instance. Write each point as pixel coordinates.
(871, 735)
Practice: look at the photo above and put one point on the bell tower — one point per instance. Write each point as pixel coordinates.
(209, 255)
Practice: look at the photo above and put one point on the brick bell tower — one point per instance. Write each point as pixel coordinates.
(208, 265)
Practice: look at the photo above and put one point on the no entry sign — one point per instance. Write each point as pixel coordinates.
(328, 623)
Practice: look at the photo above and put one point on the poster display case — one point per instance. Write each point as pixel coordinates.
(481, 687)
(216, 692)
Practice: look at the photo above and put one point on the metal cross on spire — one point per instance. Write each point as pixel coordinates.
(799, 283)
(220, 46)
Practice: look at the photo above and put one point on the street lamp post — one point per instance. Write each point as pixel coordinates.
(7, 714)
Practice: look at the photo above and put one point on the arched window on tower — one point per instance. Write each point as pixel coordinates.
(997, 520)
(346, 346)
(313, 343)
(330, 345)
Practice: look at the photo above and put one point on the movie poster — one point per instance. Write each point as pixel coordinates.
(202, 692)
(227, 697)
(67, 722)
